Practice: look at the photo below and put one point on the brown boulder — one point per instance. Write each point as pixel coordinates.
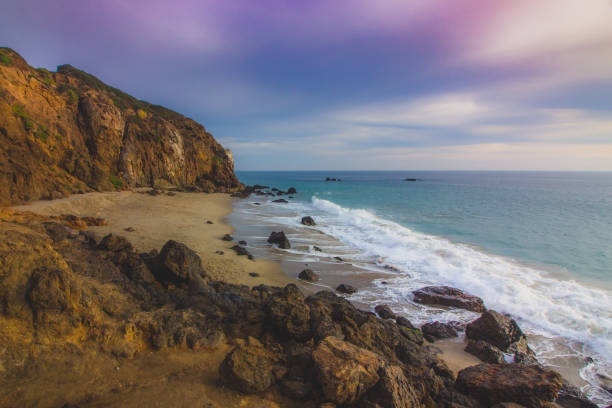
(115, 243)
(439, 330)
(250, 369)
(393, 390)
(448, 296)
(529, 385)
(289, 314)
(496, 329)
(384, 312)
(345, 371)
(308, 220)
(179, 265)
(308, 275)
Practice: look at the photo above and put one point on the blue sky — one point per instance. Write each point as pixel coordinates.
(359, 84)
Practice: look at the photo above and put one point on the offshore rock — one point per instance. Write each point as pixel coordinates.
(280, 239)
(308, 275)
(308, 220)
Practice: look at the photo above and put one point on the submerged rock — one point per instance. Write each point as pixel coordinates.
(448, 296)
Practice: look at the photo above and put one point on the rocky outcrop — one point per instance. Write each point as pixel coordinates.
(448, 296)
(346, 288)
(531, 386)
(67, 132)
(438, 330)
(308, 275)
(61, 294)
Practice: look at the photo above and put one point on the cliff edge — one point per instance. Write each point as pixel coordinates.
(66, 132)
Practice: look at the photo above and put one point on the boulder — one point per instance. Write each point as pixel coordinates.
(289, 313)
(115, 243)
(496, 329)
(179, 265)
(345, 371)
(393, 389)
(292, 190)
(240, 250)
(384, 312)
(242, 243)
(250, 369)
(297, 390)
(280, 239)
(227, 237)
(308, 221)
(448, 296)
(485, 352)
(529, 385)
(308, 275)
(56, 231)
(344, 288)
(316, 248)
(572, 397)
(402, 321)
(439, 330)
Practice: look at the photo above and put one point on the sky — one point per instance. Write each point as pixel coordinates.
(352, 84)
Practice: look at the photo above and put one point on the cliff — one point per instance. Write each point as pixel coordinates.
(65, 132)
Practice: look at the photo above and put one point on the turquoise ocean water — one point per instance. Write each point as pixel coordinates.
(537, 245)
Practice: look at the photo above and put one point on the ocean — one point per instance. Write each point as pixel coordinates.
(536, 245)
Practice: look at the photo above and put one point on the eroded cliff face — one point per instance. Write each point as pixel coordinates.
(66, 131)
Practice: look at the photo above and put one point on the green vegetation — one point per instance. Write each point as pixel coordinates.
(68, 188)
(45, 76)
(218, 161)
(116, 181)
(58, 136)
(5, 59)
(41, 133)
(73, 93)
(28, 124)
(19, 111)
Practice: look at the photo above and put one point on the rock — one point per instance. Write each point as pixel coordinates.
(280, 239)
(260, 187)
(338, 259)
(219, 252)
(227, 237)
(496, 329)
(297, 390)
(384, 312)
(240, 250)
(448, 296)
(485, 352)
(289, 313)
(345, 371)
(210, 222)
(242, 243)
(56, 231)
(308, 221)
(439, 330)
(308, 275)
(129, 229)
(291, 190)
(571, 397)
(402, 321)
(316, 248)
(179, 265)
(410, 179)
(344, 288)
(280, 200)
(250, 369)
(393, 389)
(52, 290)
(254, 274)
(115, 243)
(170, 193)
(529, 385)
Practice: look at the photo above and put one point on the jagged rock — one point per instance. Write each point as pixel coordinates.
(439, 330)
(179, 265)
(316, 248)
(393, 390)
(115, 243)
(56, 231)
(448, 296)
(496, 329)
(280, 239)
(384, 312)
(250, 369)
(345, 288)
(52, 290)
(280, 200)
(227, 237)
(289, 313)
(345, 371)
(308, 221)
(308, 275)
(529, 385)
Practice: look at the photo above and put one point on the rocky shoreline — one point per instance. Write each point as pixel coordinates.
(65, 288)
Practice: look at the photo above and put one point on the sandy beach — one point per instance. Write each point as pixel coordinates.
(150, 221)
